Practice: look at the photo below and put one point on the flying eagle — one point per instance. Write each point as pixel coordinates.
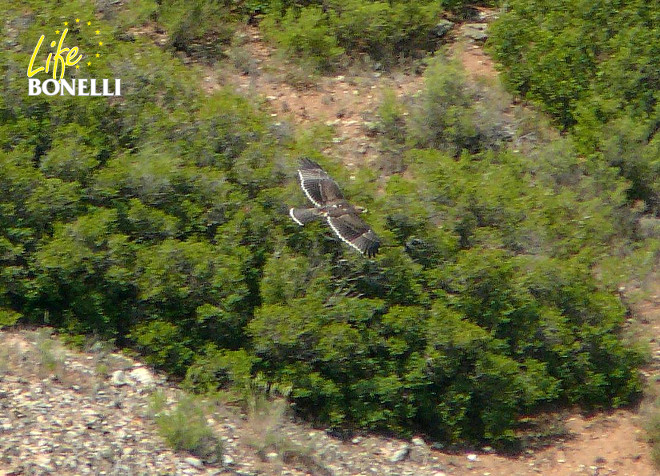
(330, 204)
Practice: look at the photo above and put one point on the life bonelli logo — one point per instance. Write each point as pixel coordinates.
(55, 60)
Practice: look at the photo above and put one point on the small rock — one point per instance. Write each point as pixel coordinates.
(401, 454)
(194, 462)
(227, 460)
(418, 442)
(472, 457)
(118, 378)
(475, 31)
(356, 440)
(142, 376)
(442, 28)
(272, 456)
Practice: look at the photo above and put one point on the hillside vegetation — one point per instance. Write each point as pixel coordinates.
(159, 221)
(594, 68)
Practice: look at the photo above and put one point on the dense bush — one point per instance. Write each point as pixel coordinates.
(593, 67)
(200, 28)
(158, 219)
(450, 114)
(444, 117)
(306, 34)
(385, 31)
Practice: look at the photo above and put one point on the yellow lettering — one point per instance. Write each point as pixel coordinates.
(58, 56)
(72, 53)
(59, 62)
(31, 72)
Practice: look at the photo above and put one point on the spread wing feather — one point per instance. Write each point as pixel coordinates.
(356, 233)
(304, 215)
(317, 184)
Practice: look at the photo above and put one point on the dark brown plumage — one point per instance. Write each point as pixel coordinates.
(330, 204)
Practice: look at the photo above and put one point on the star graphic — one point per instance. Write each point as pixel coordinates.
(77, 20)
(89, 23)
(89, 63)
(97, 55)
(57, 32)
(77, 66)
(66, 23)
(98, 32)
(100, 43)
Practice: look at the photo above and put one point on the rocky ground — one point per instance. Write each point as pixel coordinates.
(68, 412)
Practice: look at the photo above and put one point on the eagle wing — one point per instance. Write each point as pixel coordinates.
(317, 184)
(355, 232)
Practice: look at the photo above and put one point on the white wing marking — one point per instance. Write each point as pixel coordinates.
(294, 218)
(309, 195)
(341, 237)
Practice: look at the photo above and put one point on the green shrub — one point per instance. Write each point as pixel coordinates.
(306, 33)
(592, 69)
(391, 119)
(460, 6)
(654, 438)
(453, 114)
(384, 31)
(8, 317)
(50, 358)
(215, 369)
(443, 118)
(185, 428)
(200, 28)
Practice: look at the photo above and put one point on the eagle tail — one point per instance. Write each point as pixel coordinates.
(304, 215)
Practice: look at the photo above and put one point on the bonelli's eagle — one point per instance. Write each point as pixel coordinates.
(329, 203)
